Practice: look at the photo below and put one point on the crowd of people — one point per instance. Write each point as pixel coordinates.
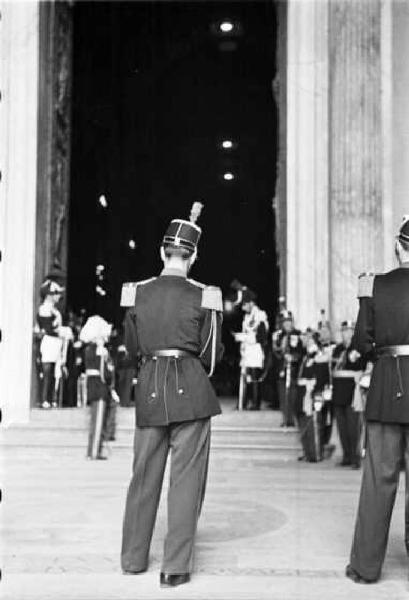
(173, 327)
(81, 362)
(316, 380)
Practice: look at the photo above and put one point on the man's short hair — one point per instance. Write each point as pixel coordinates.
(171, 250)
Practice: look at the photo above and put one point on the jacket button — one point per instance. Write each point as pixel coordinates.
(153, 395)
(180, 391)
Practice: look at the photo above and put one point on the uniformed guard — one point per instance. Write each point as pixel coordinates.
(383, 328)
(348, 367)
(49, 328)
(312, 401)
(99, 376)
(174, 325)
(253, 340)
(305, 413)
(288, 351)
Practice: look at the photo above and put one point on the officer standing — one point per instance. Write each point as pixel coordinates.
(253, 344)
(348, 368)
(288, 351)
(49, 326)
(99, 372)
(383, 327)
(174, 324)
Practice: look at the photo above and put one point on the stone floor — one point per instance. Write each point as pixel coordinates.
(269, 530)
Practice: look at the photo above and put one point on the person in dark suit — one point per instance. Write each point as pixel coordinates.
(174, 325)
(288, 351)
(382, 330)
(348, 367)
(100, 394)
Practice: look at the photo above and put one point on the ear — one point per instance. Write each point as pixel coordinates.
(193, 258)
(162, 254)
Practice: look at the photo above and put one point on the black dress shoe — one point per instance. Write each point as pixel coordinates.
(134, 571)
(169, 580)
(356, 577)
(344, 463)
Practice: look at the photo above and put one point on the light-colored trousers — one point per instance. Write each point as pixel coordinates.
(189, 444)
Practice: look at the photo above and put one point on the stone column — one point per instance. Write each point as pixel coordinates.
(18, 164)
(355, 134)
(307, 160)
(400, 110)
(395, 121)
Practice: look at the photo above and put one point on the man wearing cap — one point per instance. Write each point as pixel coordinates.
(382, 330)
(49, 327)
(348, 366)
(174, 325)
(288, 350)
(253, 342)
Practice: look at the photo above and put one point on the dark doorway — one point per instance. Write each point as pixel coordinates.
(158, 86)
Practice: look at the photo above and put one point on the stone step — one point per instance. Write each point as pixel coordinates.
(76, 417)
(234, 434)
(124, 437)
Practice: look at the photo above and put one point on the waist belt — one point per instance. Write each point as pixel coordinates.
(345, 374)
(402, 350)
(396, 352)
(303, 381)
(171, 353)
(92, 372)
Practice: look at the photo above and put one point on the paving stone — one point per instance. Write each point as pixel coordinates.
(277, 530)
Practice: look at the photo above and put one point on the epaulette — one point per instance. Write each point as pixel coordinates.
(212, 298)
(365, 285)
(128, 294)
(197, 283)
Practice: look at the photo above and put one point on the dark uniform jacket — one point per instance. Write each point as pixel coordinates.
(291, 344)
(383, 320)
(343, 388)
(97, 385)
(168, 313)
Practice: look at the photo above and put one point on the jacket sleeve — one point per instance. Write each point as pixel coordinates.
(206, 338)
(130, 334)
(364, 334)
(261, 335)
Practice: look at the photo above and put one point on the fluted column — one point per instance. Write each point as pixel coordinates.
(18, 164)
(307, 160)
(356, 175)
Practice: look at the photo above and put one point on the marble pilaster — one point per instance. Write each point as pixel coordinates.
(18, 164)
(307, 281)
(355, 147)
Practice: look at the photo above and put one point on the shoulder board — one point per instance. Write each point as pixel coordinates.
(128, 294)
(365, 285)
(196, 283)
(212, 298)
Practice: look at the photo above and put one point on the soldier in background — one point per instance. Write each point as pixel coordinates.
(174, 325)
(100, 374)
(348, 366)
(382, 330)
(324, 365)
(288, 350)
(309, 427)
(48, 329)
(253, 341)
(312, 410)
